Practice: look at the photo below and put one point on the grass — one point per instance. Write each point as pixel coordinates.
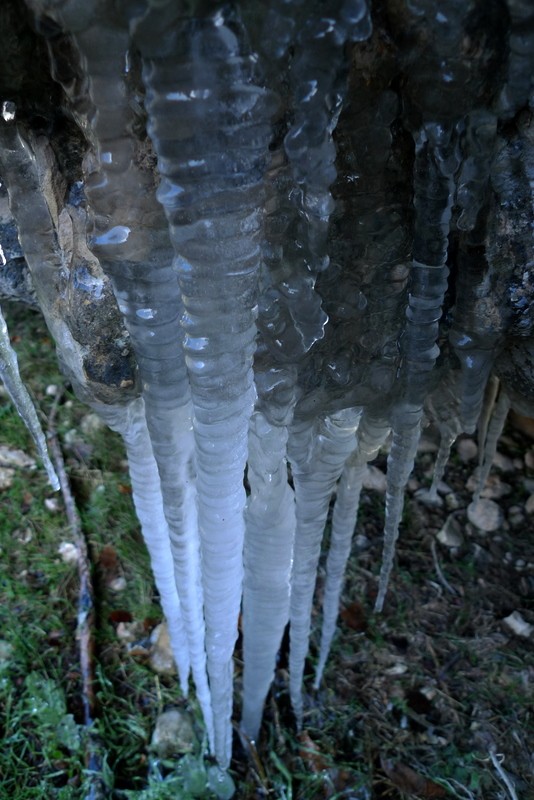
(370, 713)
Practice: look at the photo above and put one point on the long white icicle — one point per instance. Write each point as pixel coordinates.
(129, 421)
(270, 526)
(211, 130)
(317, 454)
(371, 434)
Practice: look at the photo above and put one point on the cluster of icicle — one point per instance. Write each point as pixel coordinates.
(335, 247)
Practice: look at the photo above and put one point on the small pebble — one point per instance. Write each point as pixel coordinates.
(518, 625)
(69, 552)
(375, 479)
(51, 390)
(467, 450)
(451, 533)
(485, 515)
(427, 445)
(502, 462)
(92, 424)
(23, 535)
(129, 631)
(529, 505)
(52, 504)
(6, 477)
(432, 501)
(161, 657)
(173, 733)
(529, 459)
(117, 584)
(452, 501)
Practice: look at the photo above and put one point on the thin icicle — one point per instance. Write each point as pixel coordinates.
(442, 459)
(129, 421)
(488, 404)
(10, 375)
(371, 434)
(495, 428)
(433, 202)
(270, 530)
(317, 454)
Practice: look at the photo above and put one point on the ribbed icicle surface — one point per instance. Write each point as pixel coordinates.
(270, 527)
(132, 242)
(130, 422)
(371, 434)
(317, 453)
(433, 202)
(210, 125)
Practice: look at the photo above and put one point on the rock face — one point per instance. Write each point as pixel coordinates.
(267, 232)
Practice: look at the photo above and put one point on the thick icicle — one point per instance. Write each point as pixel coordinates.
(317, 453)
(129, 421)
(132, 243)
(10, 375)
(210, 125)
(270, 526)
(371, 434)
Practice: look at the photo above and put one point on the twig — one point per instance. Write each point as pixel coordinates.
(441, 577)
(502, 774)
(85, 619)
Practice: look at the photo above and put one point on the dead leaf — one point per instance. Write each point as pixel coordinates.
(311, 754)
(120, 615)
(108, 559)
(409, 781)
(353, 615)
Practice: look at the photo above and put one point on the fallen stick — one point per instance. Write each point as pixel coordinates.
(85, 616)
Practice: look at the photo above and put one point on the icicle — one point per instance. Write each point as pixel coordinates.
(371, 434)
(131, 239)
(488, 404)
(317, 455)
(129, 421)
(495, 428)
(433, 202)
(270, 527)
(10, 375)
(211, 132)
(516, 91)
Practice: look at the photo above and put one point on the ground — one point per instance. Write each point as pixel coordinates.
(431, 699)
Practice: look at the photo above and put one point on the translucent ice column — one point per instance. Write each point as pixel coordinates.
(317, 452)
(210, 125)
(131, 239)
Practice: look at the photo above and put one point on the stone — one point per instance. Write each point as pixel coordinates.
(467, 450)
(485, 515)
(173, 734)
(161, 658)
